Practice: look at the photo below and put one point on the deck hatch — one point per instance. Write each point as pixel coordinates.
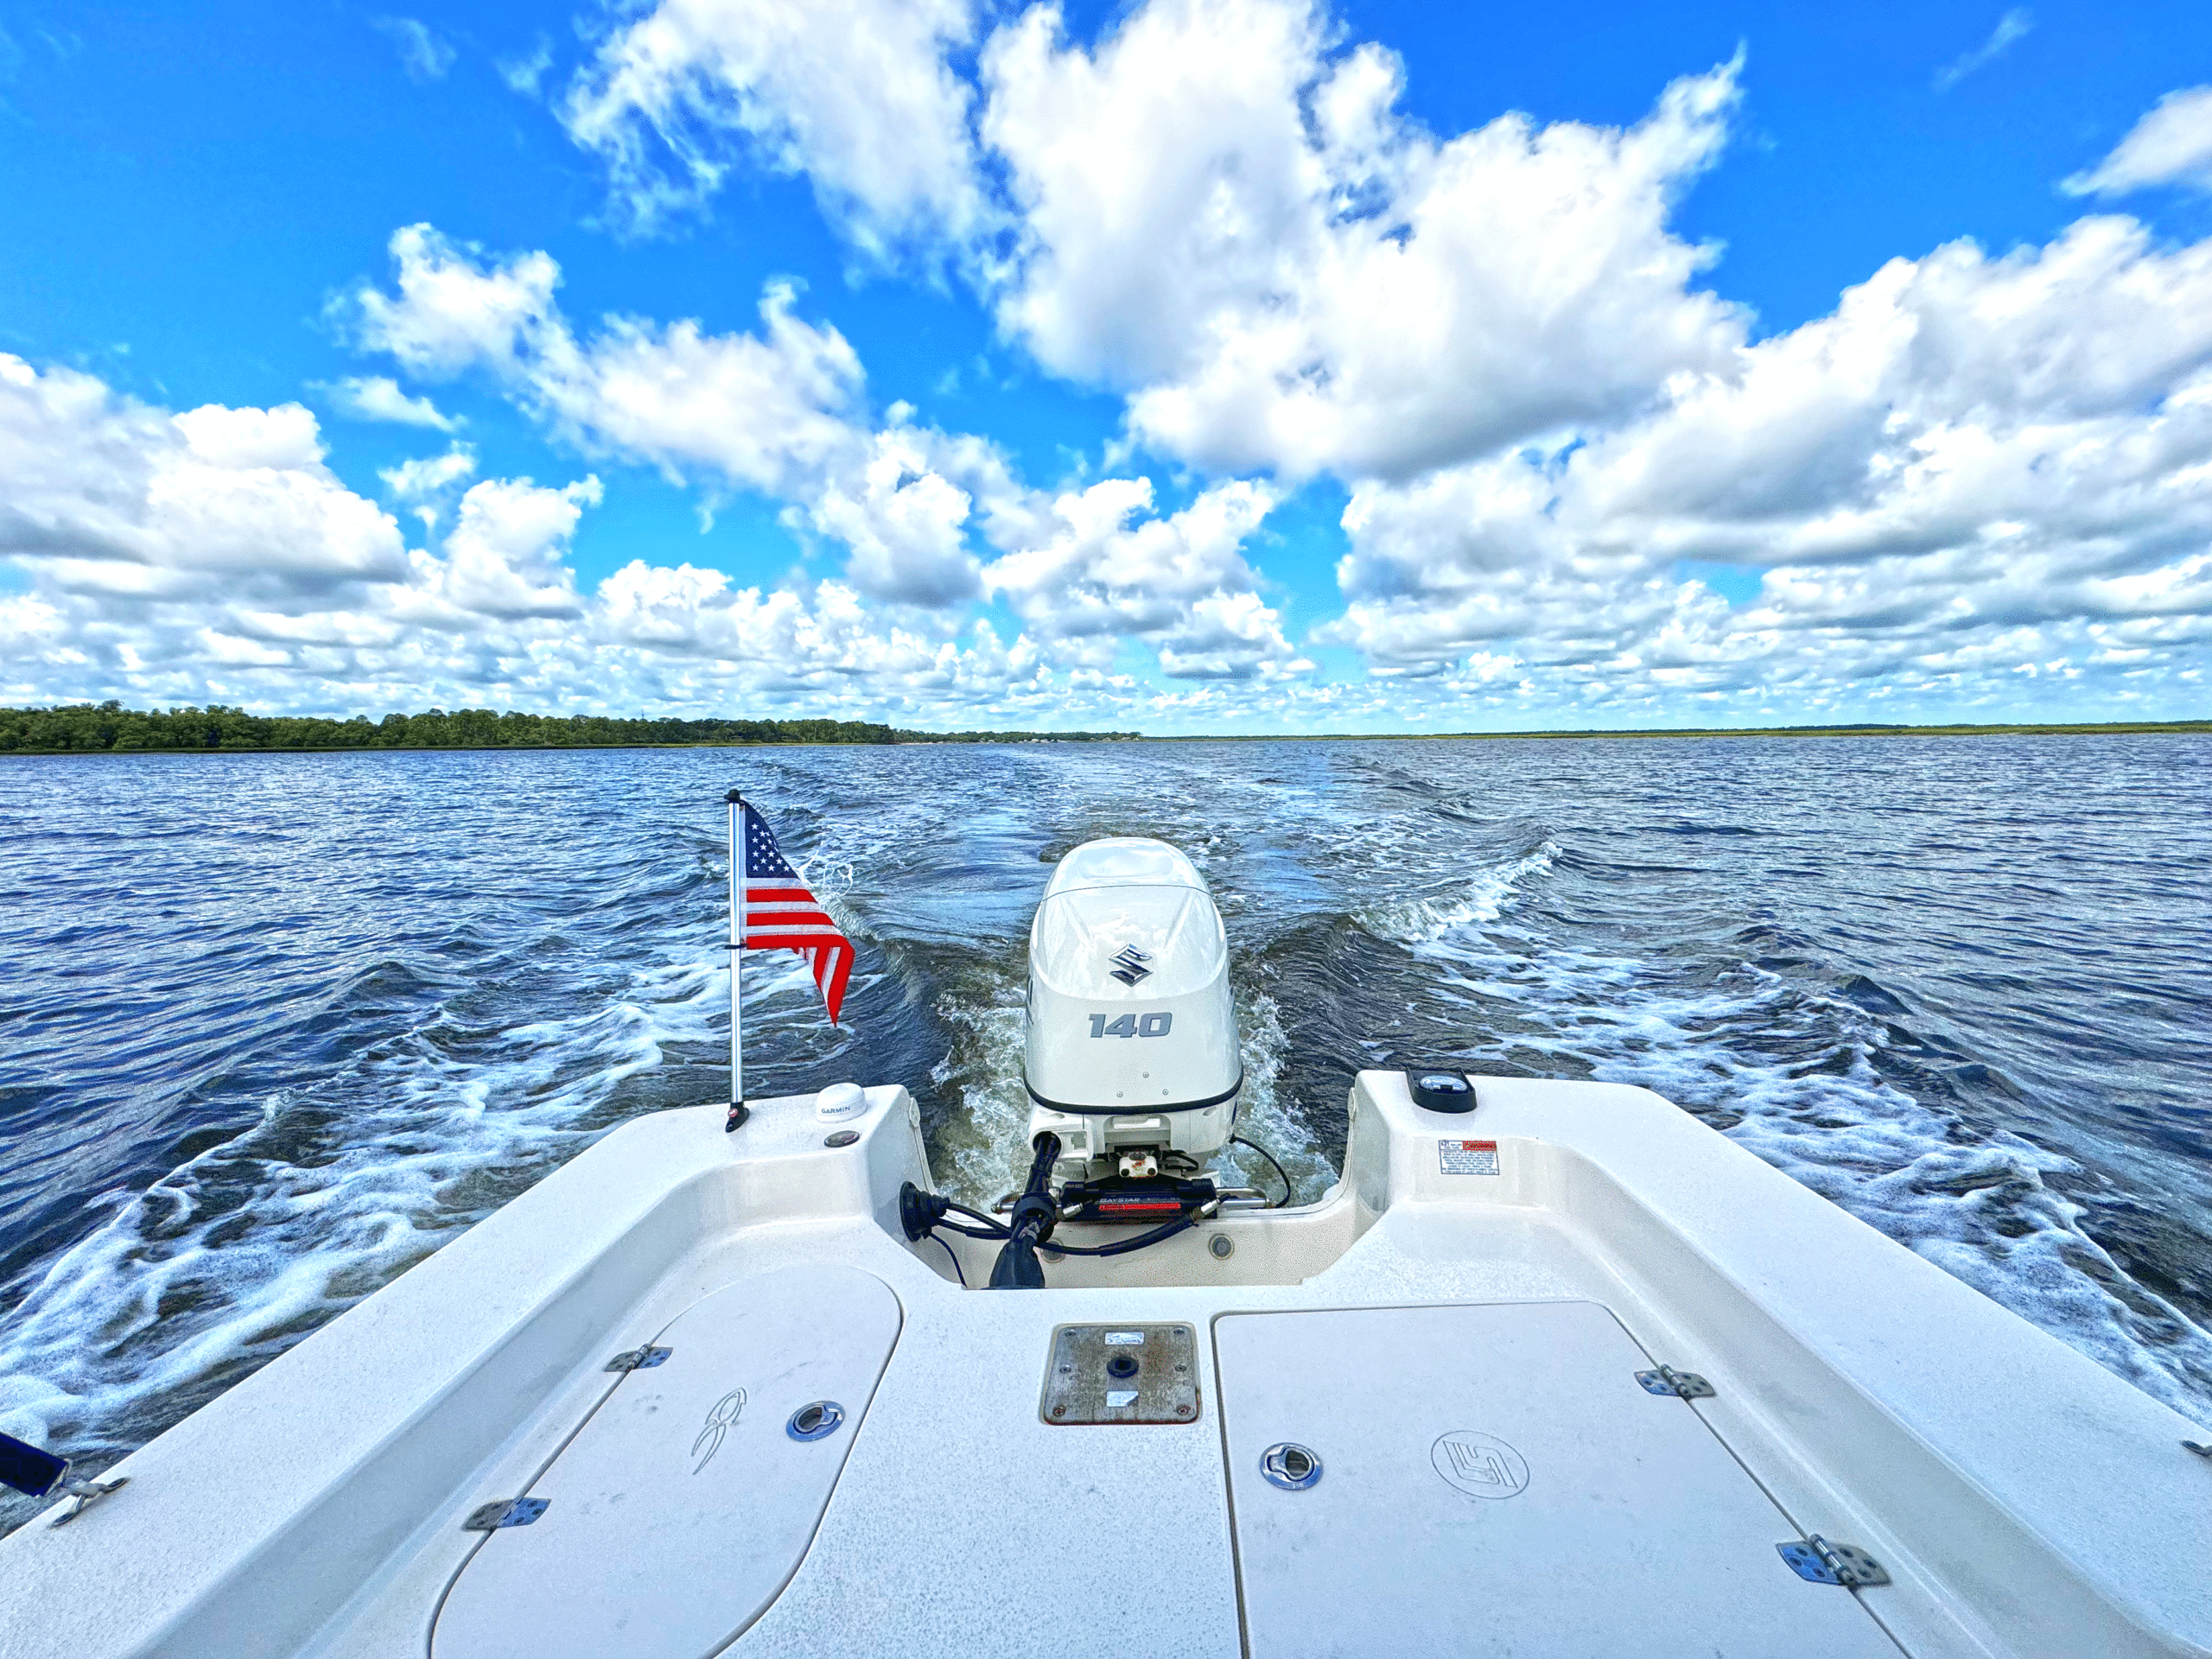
(684, 1505)
(1497, 1482)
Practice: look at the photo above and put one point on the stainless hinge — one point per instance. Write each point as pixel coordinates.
(505, 1512)
(639, 1359)
(1823, 1562)
(1683, 1385)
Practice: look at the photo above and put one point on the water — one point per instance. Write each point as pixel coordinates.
(273, 1027)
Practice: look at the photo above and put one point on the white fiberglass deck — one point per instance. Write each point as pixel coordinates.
(1454, 1335)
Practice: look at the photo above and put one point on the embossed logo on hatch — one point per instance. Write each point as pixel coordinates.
(1479, 1464)
(720, 1420)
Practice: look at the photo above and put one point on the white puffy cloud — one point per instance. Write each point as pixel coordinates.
(1975, 468)
(1180, 582)
(768, 411)
(101, 494)
(2172, 144)
(855, 94)
(506, 557)
(782, 412)
(1242, 234)
(212, 554)
(377, 397)
(425, 476)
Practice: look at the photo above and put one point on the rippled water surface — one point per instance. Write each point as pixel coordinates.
(273, 1027)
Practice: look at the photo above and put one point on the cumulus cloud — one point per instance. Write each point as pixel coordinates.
(426, 481)
(782, 412)
(1179, 581)
(855, 94)
(507, 554)
(426, 475)
(377, 397)
(424, 54)
(2171, 145)
(1974, 465)
(102, 494)
(765, 411)
(212, 554)
(1281, 270)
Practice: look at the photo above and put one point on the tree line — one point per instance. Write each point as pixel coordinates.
(94, 727)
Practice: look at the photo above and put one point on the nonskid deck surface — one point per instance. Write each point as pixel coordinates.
(1454, 1342)
(1481, 1478)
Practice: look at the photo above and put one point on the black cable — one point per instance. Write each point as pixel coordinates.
(955, 1261)
(1240, 1140)
(977, 1215)
(1126, 1245)
(975, 1232)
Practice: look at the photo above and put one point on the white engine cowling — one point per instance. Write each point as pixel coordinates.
(1132, 1036)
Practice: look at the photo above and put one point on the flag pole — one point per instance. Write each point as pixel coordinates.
(737, 1112)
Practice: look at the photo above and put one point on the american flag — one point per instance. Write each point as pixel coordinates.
(780, 914)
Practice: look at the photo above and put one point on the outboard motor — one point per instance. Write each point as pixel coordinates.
(1131, 1063)
(1131, 1058)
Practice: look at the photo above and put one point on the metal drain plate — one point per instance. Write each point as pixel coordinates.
(1121, 1374)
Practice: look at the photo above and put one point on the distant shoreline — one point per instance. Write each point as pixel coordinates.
(2122, 728)
(2109, 727)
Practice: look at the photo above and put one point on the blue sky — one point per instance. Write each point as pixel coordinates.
(1221, 364)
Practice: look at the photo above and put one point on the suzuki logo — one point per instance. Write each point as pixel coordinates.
(1129, 965)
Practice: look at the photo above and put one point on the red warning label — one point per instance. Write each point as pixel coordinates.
(1467, 1157)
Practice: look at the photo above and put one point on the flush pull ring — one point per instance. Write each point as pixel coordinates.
(816, 1422)
(1291, 1466)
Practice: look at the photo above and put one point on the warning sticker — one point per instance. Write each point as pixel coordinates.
(1468, 1157)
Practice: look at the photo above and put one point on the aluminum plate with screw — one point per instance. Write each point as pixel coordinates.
(1121, 1374)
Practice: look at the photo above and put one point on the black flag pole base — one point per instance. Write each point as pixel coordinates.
(738, 1112)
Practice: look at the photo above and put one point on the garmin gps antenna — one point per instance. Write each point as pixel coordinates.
(39, 1473)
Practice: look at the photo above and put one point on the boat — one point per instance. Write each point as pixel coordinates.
(1551, 1369)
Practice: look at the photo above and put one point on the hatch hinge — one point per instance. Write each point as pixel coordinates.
(1683, 1385)
(1823, 1562)
(639, 1359)
(504, 1512)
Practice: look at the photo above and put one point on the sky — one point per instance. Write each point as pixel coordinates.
(1181, 366)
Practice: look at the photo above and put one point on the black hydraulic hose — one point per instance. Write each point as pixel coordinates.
(1286, 1189)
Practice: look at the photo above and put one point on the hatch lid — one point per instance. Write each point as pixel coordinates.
(684, 1505)
(1492, 1479)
